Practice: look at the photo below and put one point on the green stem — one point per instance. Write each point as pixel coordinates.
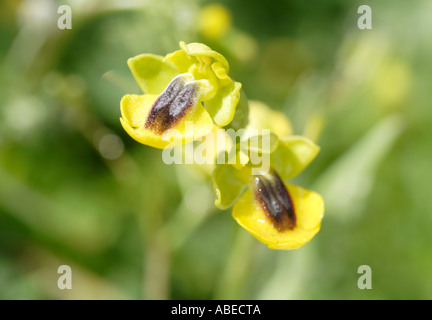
(236, 269)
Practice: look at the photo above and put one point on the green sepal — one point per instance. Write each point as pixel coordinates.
(293, 155)
(152, 73)
(241, 115)
(229, 184)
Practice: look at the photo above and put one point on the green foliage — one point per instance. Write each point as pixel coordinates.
(76, 190)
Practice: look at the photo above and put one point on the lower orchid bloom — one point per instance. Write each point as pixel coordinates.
(279, 214)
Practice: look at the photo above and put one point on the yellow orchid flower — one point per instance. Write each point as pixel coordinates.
(188, 94)
(187, 91)
(279, 214)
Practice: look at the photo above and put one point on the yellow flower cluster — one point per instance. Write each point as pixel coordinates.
(192, 85)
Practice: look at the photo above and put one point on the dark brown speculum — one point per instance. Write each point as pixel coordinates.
(171, 105)
(275, 200)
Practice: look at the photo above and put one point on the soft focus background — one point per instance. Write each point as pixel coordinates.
(75, 189)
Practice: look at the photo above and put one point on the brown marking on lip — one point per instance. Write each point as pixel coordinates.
(276, 201)
(171, 105)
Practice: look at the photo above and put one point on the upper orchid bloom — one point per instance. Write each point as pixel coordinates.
(188, 90)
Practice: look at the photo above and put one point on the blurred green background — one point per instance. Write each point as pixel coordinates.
(75, 189)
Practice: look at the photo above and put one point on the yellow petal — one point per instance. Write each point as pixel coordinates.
(309, 211)
(135, 109)
(221, 73)
(152, 72)
(180, 59)
(222, 107)
(201, 50)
